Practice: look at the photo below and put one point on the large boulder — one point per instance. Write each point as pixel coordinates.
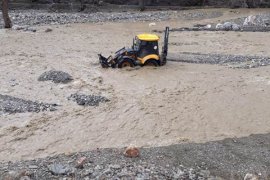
(258, 20)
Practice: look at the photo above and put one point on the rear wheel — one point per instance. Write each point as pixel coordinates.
(151, 62)
(125, 63)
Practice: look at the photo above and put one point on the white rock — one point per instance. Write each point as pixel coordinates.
(17, 27)
(208, 26)
(219, 26)
(152, 24)
(250, 20)
(249, 176)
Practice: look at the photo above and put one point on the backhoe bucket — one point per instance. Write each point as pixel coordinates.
(103, 61)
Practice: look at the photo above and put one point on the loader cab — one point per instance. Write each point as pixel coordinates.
(146, 47)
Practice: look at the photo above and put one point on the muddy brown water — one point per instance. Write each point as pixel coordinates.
(149, 106)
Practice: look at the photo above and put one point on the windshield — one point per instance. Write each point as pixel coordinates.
(137, 43)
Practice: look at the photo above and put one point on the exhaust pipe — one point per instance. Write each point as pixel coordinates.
(165, 47)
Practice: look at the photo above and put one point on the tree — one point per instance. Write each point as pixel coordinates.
(6, 18)
(141, 5)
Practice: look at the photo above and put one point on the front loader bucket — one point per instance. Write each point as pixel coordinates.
(103, 61)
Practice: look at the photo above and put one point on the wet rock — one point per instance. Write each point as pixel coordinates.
(132, 152)
(10, 105)
(55, 76)
(59, 169)
(87, 100)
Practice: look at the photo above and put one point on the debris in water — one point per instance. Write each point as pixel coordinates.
(55, 76)
(10, 105)
(87, 100)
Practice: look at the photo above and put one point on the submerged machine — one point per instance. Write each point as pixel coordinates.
(144, 51)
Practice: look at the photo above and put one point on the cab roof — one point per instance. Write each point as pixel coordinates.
(148, 37)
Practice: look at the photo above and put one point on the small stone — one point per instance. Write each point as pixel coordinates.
(132, 152)
(227, 26)
(17, 27)
(208, 26)
(80, 162)
(98, 167)
(48, 30)
(30, 29)
(59, 169)
(116, 166)
(219, 26)
(178, 174)
(25, 178)
(152, 24)
(236, 27)
(13, 174)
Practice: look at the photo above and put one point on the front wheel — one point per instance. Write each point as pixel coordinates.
(125, 63)
(151, 62)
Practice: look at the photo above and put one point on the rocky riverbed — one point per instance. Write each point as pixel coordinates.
(42, 17)
(232, 61)
(237, 158)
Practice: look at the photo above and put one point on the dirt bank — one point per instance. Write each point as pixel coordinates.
(148, 107)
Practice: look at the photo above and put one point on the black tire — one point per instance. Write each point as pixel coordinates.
(125, 63)
(151, 62)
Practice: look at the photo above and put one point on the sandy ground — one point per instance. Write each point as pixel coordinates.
(173, 104)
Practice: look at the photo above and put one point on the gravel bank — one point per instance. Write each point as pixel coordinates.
(233, 61)
(10, 105)
(252, 23)
(35, 17)
(229, 158)
(42, 17)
